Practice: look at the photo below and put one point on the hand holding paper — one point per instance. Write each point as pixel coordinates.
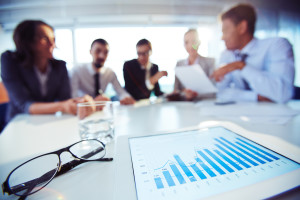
(194, 78)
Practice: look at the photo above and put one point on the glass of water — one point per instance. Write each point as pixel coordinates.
(96, 120)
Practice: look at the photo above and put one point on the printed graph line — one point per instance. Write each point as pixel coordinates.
(185, 168)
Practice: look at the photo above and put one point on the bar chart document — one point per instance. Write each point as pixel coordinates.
(201, 163)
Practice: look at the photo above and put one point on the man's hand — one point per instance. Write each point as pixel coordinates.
(262, 98)
(190, 94)
(127, 101)
(69, 106)
(219, 74)
(101, 98)
(154, 79)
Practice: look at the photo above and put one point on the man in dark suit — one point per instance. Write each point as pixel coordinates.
(140, 75)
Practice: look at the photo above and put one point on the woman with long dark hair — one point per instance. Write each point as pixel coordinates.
(36, 82)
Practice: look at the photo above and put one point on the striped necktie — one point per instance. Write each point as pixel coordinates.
(242, 57)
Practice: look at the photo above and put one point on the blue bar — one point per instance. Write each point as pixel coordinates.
(205, 167)
(211, 163)
(245, 152)
(219, 161)
(198, 171)
(253, 151)
(159, 183)
(233, 156)
(169, 178)
(238, 153)
(272, 156)
(185, 168)
(177, 174)
(228, 160)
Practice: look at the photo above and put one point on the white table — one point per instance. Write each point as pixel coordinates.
(27, 136)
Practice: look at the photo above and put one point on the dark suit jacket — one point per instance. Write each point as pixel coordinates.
(135, 76)
(23, 86)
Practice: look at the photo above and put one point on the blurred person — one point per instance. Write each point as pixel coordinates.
(140, 75)
(36, 82)
(93, 78)
(191, 45)
(253, 69)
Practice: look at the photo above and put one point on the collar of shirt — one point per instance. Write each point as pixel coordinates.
(186, 62)
(147, 67)
(92, 71)
(249, 46)
(43, 77)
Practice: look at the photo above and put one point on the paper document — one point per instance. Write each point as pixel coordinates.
(194, 78)
(252, 112)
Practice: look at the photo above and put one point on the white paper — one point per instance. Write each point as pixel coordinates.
(194, 78)
(250, 112)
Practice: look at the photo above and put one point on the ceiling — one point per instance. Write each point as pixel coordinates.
(73, 13)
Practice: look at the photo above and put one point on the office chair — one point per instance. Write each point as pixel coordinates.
(296, 92)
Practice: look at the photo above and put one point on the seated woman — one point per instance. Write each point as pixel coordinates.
(191, 44)
(36, 82)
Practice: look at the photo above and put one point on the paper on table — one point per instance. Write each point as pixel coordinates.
(252, 112)
(194, 78)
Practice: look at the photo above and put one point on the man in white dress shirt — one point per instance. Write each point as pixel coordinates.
(253, 69)
(93, 78)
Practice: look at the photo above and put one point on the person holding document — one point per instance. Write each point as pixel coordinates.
(253, 69)
(191, 44)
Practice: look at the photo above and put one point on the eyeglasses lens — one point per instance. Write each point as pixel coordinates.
(88, 150)
(33, 175)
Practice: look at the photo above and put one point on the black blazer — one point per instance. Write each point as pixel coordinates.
(23, 86)
(135, 78)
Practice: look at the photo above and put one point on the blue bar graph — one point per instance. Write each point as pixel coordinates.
(258, 149)
(233, 156)
(185, 169)
(158, 183)
(244, 151)
(205, 167)
(198, 171)
(224, 156)
(216, 167)
(169, 179)
(253, 151)
(219, 160)
(177, 174)
(228, 160)
(238, 153)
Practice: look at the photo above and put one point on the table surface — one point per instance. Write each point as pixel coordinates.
(31, 135)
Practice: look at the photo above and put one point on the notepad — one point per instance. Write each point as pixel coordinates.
(194, 78)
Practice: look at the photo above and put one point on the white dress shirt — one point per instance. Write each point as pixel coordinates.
(43, 77)
(148, 76)
(269, 72)
(82, 81)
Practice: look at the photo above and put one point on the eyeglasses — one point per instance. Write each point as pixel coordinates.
(34, 174)
(146, 53)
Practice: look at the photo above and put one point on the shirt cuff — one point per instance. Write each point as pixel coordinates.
(248, 73)
(149, 85)
(26, 107)
(236, 95)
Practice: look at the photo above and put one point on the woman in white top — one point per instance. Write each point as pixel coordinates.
(191, 44)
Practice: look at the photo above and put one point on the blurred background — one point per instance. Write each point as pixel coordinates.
(123, 22)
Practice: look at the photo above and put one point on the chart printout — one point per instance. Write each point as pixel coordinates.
(201, 163)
